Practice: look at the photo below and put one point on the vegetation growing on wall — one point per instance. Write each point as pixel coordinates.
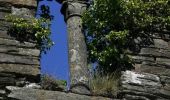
(31, 29)
(112, 25)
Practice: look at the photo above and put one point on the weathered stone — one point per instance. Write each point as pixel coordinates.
(155, 52)
(22, 2)
(5, 6)
(3, 34)
(23, 12)
(22, 69)
(7, 81)
(163, 61)
(35, 94)
(140, 59)
(160, 43)
(19, 51)
(72, 11)
(133, 97)
(16, 43)
(4, 25)
(143, 82)
(6, 58)
(155, 69)
(129, 77)
(165, 79)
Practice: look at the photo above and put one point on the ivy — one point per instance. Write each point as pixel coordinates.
(31, 29)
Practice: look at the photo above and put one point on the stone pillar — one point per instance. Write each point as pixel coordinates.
(72, 11)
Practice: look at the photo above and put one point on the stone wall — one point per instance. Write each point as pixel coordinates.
(20, 67)
(19, 61)
(151, 78)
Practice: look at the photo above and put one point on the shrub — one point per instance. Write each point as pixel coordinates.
(31, 29)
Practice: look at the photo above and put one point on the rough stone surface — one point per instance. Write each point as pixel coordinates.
(16, 43)
(20, 68)
(143, 85)
(35, 94)
(72, 11)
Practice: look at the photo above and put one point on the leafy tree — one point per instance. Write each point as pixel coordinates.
(111, 26)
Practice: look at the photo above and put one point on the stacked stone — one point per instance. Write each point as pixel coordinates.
(19, 62)
(151, 77)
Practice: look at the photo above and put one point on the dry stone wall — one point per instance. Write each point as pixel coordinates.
(20, 67)
(151, 78)
(19, 61)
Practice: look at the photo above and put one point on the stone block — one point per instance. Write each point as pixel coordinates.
(22, 2)
(6, 58)
(158, 70)
(35, 94)
(16, 43)
(165, 79)
(33, 70)
(163, 61)
(3, 34)
(5, 6)
(140, 59)
(19, 51)
(155, 52)
(145, 83)
(23, 12)
(160, 43)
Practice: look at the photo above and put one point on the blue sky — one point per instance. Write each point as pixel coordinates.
(55, 62)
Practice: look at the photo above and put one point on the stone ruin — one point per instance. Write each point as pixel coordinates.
(20, 66)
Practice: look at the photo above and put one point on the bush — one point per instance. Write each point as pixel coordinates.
(31, 29)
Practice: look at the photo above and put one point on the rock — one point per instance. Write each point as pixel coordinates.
(16, 43)
(19, 51)
(7, 58)
(33, 86)
(149, 85)
(160, 43)
(155, 52)
(35, 94)
(158, 70)
(33, 70)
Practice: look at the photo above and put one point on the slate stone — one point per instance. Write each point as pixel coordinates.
(163, 61)
(144, 83)
(5, 6)
(23, 12)
(35, 94)
(133, 97)
(5, 81)
(16, 43)
(33, 70)
(159, 70)
(6, 58)
(160, 43)
(155, 52)
(165, 79)
(140, 59)
(19, 51)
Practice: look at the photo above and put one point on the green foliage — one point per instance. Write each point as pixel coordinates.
(112, 25)
(50, 83)
(31, 29)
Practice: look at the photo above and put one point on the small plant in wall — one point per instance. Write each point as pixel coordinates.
(31, 29)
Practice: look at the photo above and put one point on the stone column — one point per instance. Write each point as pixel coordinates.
(72, 11)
